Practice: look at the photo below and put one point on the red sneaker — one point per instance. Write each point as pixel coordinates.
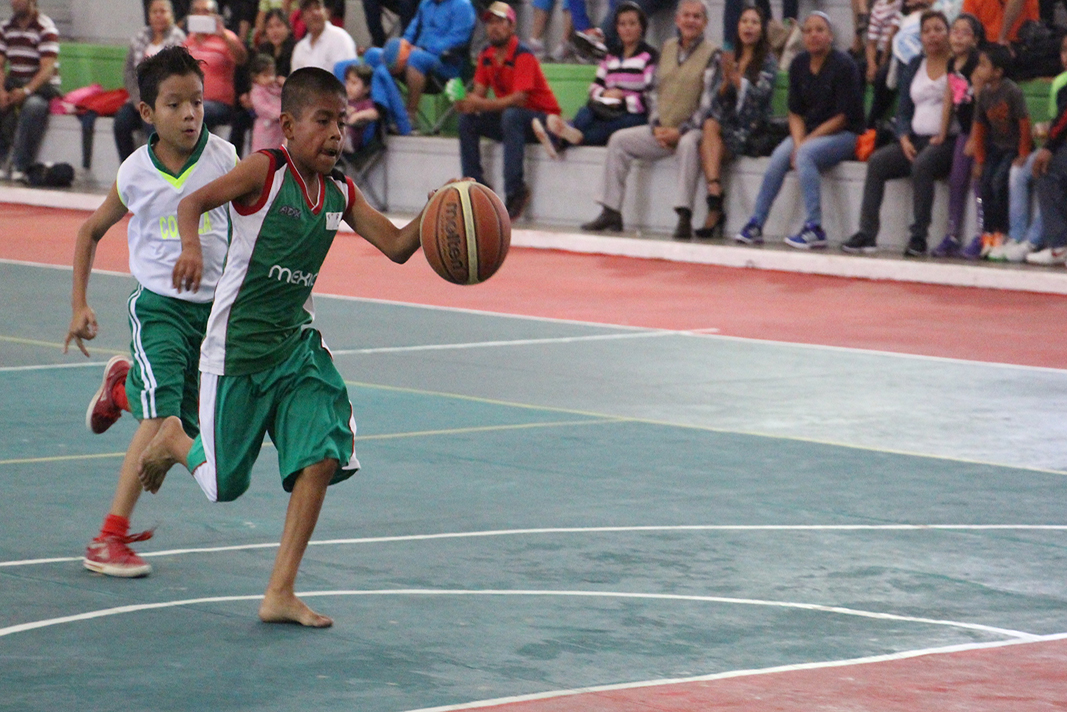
(110, 555)
(103, 412)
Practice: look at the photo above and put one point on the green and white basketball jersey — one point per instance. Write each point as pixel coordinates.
(277, 247)
(152, 193)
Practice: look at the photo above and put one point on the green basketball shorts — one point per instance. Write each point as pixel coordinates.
(302, 403)
(165, 336)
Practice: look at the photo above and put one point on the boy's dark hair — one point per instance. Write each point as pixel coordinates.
(168, 62)
(999, 56)
(261, 63)
(361, 70)
(304, 85)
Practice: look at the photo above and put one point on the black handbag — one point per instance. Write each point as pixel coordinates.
(607, 112)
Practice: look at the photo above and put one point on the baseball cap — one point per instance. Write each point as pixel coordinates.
(500, 9)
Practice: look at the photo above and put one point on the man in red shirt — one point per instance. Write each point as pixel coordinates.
(521, 94)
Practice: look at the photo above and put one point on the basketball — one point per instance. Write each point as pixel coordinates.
(465, 232)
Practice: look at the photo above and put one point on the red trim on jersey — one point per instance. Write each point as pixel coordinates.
(315, 207)
(351, 194)
(264, 194)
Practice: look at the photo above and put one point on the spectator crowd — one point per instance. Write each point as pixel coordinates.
(941, 76)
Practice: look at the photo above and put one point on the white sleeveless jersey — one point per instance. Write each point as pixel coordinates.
(152, 193)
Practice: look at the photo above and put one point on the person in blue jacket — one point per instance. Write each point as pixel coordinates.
(434, 43)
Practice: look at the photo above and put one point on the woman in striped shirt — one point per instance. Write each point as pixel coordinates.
(617, 97)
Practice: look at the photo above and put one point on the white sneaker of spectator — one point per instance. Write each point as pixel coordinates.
(1048, 256)
(1017, 251)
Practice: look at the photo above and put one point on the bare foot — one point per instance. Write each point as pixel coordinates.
(157, 458)
(287, 608)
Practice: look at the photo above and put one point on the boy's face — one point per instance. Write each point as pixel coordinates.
(178, 114)
(984, 71)
(315, 136)
(354, 87)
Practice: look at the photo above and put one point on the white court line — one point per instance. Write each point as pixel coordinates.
(708, 332)
(509, 342)
(584, 530)
(44, 367)
(904, 655)
(1020, 635)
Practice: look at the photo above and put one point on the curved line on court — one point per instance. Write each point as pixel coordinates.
(119, 610)
(581, 530)
(890, 657)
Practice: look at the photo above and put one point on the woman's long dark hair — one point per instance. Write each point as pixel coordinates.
(762, 48)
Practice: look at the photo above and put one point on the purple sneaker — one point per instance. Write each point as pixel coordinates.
(949, 247)
(973, 250)
(811, 237)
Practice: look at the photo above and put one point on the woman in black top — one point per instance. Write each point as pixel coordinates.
(825, 118)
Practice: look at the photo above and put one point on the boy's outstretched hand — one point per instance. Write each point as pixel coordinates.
(82, 326)
(188, 270)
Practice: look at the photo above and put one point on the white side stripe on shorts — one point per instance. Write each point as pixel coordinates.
(148, 393)
(207, 474)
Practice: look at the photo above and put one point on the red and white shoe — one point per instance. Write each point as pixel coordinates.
(103, 412)
(110, 555)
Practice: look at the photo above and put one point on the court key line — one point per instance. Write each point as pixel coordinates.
(359, 438)
(506, 342)
(579, 530)
(872, 659)
(1020, 635)
(704, 428)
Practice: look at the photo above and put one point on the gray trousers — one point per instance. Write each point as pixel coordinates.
(626, 145)
(889, 162)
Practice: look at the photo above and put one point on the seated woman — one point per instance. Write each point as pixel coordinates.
(920, 151)
(277, 41)
(825, 118)
(159, 33)
(618, 97)
(739, 110)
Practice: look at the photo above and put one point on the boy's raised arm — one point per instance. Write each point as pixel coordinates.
(398, 244)
(83, 319)
(241, 185)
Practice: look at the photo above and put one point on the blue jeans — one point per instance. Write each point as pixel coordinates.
(993, 186)
(127, 120)
(22, 128)
(814, 156)
(1052, 197)
(512, 128)
(216, 113)
(596, 132)
(1024, 221)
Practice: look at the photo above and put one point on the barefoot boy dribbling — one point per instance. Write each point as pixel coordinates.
(263, 368)
(166, 325)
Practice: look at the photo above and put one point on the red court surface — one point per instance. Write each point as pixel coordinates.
(985, 325)
(1016, 678)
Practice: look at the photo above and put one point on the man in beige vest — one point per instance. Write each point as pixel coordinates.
(685, 81)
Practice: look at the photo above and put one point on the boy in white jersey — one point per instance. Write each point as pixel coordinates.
(263, 368)
(166, 324)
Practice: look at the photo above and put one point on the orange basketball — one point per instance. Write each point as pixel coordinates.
(465, 232)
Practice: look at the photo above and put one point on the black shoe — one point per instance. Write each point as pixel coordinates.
(717, 228)
(517, 203)
(916, 247)
(607, 220)
(589, 45)
(684, 229)
(859, 244)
